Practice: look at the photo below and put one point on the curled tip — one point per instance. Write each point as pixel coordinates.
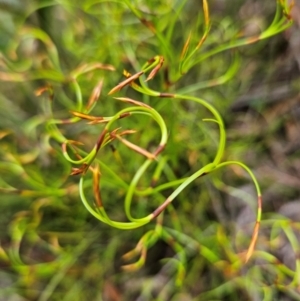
(131, 254)
(130, 267)
(137, 265)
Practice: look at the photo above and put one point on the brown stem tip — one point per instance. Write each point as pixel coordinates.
(161, 208)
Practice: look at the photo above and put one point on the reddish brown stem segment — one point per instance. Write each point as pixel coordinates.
(161, 208)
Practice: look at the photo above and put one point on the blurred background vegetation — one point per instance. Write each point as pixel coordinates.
(52, 248)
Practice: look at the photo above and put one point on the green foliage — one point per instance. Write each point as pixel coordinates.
(156, 147)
